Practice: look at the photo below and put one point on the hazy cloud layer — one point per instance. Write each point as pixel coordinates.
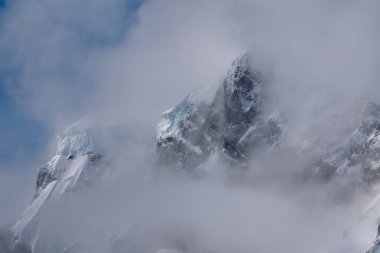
(65, 60)
(68, 59)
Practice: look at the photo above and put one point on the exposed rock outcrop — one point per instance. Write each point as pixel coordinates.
(230, 122)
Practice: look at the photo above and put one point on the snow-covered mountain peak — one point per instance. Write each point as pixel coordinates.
(75, 165)
(240, 68)
(244, 83)
(230, 123)
(77, 139)
(170, 120)
(75, 143)
(75, 149)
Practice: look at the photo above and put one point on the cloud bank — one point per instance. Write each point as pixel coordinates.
(124, 64)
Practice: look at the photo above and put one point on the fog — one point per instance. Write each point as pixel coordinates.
(87, 60)
(196, 217)
(122, 63)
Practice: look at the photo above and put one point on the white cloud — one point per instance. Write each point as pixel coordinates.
(68, 59)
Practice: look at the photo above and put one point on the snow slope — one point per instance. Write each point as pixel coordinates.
(74, 164)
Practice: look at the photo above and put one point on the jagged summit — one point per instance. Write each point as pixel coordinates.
(75, 164)
(74, 144)
(75, 140)
(243, 84)
(231, 123)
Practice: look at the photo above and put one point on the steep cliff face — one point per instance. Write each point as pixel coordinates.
(230, 123)
(365, 144)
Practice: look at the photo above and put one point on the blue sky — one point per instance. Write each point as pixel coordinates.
(22, 136)
(18, 132)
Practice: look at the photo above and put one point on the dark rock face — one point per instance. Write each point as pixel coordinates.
(44, 177)
(70, 156)
(242, 95)
(194, 135)
(94, 157)
(365, 144)
(45, 174)
(230, 123)
(241, 104)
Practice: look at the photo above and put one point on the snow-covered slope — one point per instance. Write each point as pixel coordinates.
(362, 234)
(74, 165)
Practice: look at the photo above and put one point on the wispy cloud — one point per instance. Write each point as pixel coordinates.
(64, 60)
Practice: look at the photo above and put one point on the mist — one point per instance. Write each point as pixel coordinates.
(119, 64)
